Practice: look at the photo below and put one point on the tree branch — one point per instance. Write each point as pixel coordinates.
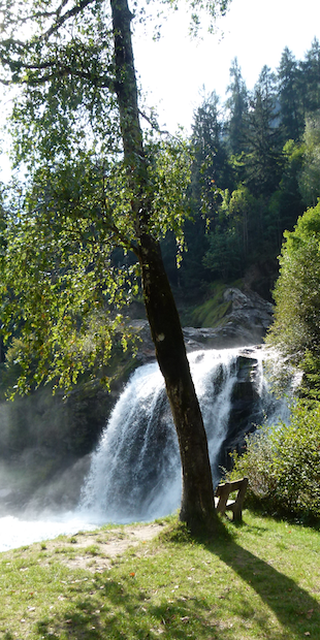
(130, 245)
(61, 19)
(155, 126)
(102, 82)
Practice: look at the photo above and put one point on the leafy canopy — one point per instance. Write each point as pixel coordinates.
(62, 285)
(296, 329)
(283, 465)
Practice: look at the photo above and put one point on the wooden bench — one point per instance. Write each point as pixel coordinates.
(222, 501)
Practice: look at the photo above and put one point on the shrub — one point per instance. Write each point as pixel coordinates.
(283, 465)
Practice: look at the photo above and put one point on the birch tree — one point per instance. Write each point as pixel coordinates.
(79, 107)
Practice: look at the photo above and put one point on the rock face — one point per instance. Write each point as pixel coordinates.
(244, 324)
(246, 411)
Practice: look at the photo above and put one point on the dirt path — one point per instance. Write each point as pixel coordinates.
(96, 550)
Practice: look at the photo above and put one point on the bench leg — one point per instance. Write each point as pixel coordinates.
(237, 515)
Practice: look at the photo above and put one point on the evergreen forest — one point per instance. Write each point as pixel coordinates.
(255, 171)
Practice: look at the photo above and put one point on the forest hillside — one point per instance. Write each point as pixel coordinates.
(255, 171)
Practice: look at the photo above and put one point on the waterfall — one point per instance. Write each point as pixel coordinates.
(135, 472)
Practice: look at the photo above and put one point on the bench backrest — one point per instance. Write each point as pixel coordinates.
(234, 485)
(223, 491)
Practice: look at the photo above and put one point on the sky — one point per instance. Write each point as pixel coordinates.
(175, 70)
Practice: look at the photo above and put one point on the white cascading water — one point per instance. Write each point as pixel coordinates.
(135, 472)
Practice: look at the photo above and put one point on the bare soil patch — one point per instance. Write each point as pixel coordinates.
(98, 549)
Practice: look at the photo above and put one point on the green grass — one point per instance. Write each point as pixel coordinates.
(259, 580)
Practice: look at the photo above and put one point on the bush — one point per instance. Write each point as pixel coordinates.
(283, 465)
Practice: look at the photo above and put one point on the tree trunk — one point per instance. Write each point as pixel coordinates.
(197, 508)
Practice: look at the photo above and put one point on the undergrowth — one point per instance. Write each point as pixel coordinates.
(283, 465)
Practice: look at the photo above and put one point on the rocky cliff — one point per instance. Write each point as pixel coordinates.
(244, 322)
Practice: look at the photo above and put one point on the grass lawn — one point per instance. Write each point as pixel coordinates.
(260, 580)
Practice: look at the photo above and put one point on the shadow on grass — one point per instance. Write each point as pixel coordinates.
(115, 610)
(296, 610)
(127, 615)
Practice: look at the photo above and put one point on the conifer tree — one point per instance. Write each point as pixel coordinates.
(310, 78)
(237, 105)
(263, 159)
(292, 118)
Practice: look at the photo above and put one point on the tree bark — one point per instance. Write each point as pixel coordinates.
(197, 504)
(197, 507)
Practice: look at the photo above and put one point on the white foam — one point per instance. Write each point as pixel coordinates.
(15, 532)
